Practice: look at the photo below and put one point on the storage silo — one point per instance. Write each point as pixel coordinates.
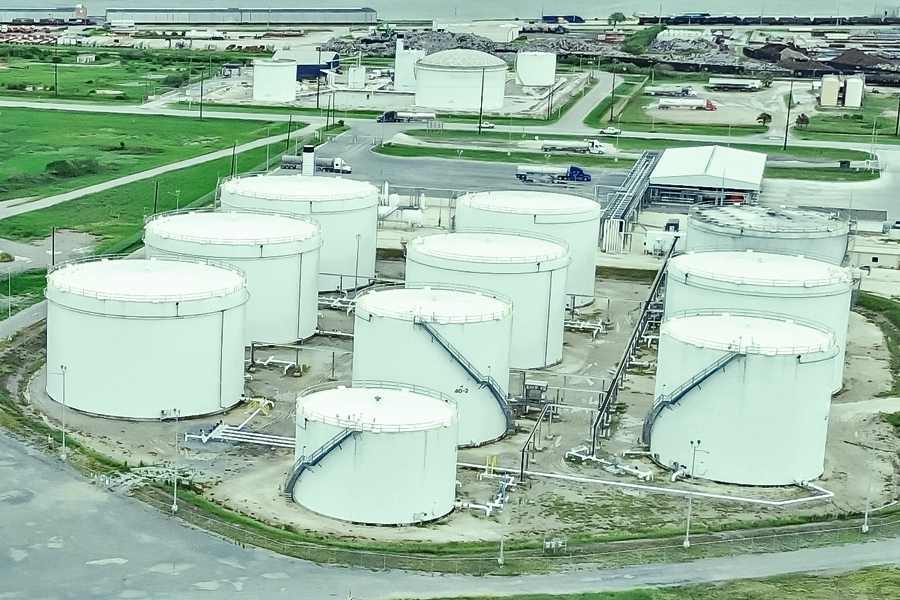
(138, 339)
(375, 453)
(574, 219)
(830, 90)
(536, 69)
(528, 269)
(817, 235)
(776, 283)
(854, 86)
(454, 340)
(346, 210)
(460, 79)
(754, 391)
(356, 79)
(274, 80)
(405, 66)
(279, 254)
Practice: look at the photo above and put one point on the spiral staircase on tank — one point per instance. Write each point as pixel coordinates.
(306, 462)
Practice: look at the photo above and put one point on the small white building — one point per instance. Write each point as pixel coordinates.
(710, 174)
(84, 58)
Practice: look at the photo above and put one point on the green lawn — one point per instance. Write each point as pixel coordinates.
(820, 174)
(598, 115)
(100, 146)
(634, 118)
(583, 160)
(869, 584)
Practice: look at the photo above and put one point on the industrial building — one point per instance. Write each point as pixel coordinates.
(346, 210)
(707, 174)
(279, 255)
(460, 80)
(311, 63)
(812, 234)
(36, 15)
(145, 339)
(529, 270)
(754, 390)
(377, 454)
(574, 219)
(405, 66)
(243, 16)
(274, 80)
(536, 69)
(450, 339)
(793, 286)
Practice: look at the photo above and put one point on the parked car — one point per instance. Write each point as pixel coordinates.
(487, 125)
(610, 131)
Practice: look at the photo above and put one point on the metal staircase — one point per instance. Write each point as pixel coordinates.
(669, 400)
(473, 372)
(305, 462)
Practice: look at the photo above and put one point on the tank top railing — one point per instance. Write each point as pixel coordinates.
(781, 252)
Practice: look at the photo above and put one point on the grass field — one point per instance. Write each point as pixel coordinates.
(880, 583)
(859, 123)
(97, 147)
(634, 118)
(507, 157)
(820, 174)
(598, 115)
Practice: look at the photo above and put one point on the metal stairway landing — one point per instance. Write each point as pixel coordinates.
(305, 462)
(671, 399)
(473, 372)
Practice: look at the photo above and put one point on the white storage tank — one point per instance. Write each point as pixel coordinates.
(279, 254)
(574, 219)
(275, 80)
(528, 269)
(830, 90)
(536, 69)
(775, 283)
(138, 339)
(356, 79)
(452, 340)
(754, 391)
(854, 86)
(346, 210)
(813, 234)
(405, 66)
(460, 79)
(380, 454)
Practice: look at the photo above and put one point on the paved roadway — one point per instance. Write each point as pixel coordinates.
(61, 537)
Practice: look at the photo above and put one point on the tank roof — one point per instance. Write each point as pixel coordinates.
(765, 218)
(746, 333)
(299, 187)
(274, 62)
(146, 280)
(538, 203)
(462, 58)
(377, 409)
(760, 268)
(437, 305)
(232, 228)
(486, 247)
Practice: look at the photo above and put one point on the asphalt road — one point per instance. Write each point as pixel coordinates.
(64, 538)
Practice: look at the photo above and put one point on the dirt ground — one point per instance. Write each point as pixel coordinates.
(861, 454)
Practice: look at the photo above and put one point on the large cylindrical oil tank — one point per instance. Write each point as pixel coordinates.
(754, 391)
(452, 340)
(574, 219)
(375, 453)
(140, 339)
(460, 79)
(275, 80)
(767, 229)
(279, 254)
(776, 283)
(528, 269)
(346, 210)
(536, 69)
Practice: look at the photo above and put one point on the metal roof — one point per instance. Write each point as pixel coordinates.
(462, 58)
(713, 167)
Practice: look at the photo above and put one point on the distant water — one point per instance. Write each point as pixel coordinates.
(486, 9)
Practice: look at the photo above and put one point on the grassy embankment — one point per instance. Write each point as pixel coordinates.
(855, 125)
(46, 152)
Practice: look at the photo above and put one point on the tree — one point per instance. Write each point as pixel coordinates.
(766, 78)
(764, 118)
(802, 121)
(615, 18)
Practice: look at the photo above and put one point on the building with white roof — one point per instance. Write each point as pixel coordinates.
(707, 174)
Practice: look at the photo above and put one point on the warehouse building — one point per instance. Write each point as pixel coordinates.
(238, 16)
(310, 63)
(707, 174)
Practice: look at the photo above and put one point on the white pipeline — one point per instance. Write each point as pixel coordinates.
(824, 494)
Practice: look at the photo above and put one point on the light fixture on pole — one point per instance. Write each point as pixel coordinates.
(175, 411)
(695, 447)
(62, 369)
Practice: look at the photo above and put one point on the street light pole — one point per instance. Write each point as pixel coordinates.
(687, 533)
(787, 121)
(175, 466)
(62, 368)
(318, 74)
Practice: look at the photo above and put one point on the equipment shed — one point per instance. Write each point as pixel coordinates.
(712, 174)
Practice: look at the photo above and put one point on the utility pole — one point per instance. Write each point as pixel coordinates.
(287, 142)
(787, 123)
(233, 157)
(201, 95)
(481, 103)
(897, 127)
(612, 106)
(156, 197)
(175, 467)
(318, 74)
(63, 369)
(56, 79)
(687, 534)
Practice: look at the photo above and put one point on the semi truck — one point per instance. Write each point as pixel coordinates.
(688, 103)
(399, 116)
(327, 165)
(676, 91)
(583, 147)
(551, 173)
